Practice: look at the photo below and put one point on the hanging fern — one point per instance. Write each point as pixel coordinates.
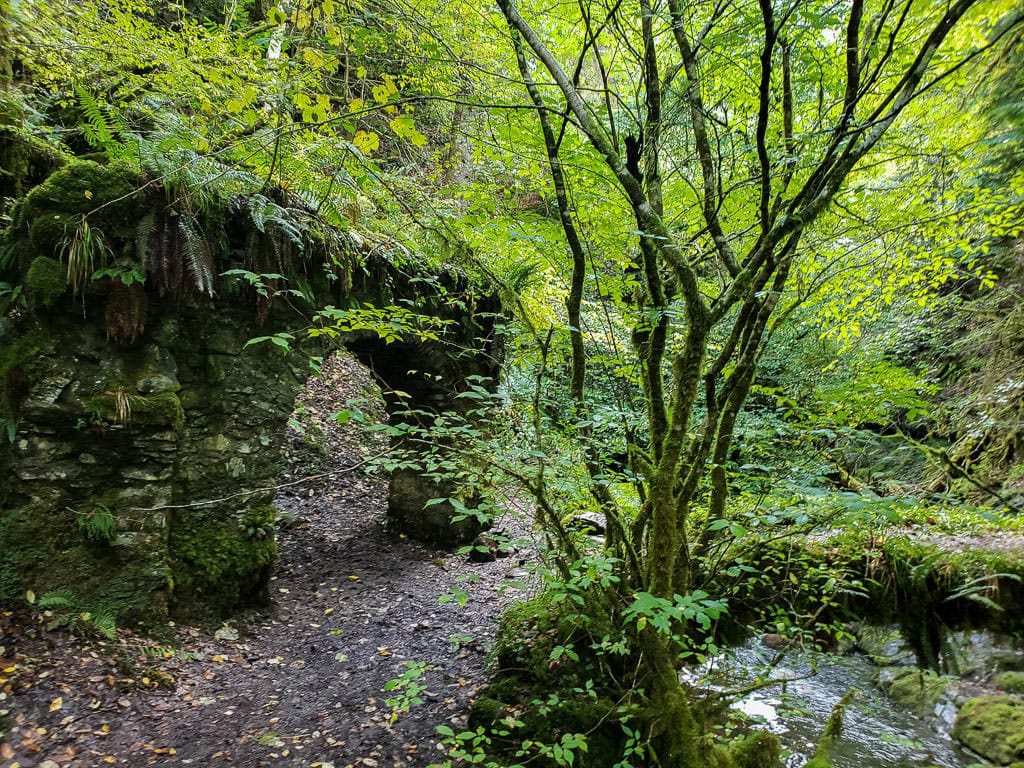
(144, 230)
(99, 525)
(197, 255)
(125, 312)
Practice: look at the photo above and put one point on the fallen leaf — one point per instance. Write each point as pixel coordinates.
(56, 704)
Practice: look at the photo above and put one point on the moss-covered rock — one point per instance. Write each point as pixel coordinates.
(759, 749)
(528, 634)
(594, 717)
(221, 562)
(160, 409)
(550, 688)
(1011, 682)
(916, 689)
(46, 279)
(52, 210)
(25, 160)
(885, 646)
(115, 580)
(993, 727)
(19, 359)
(1006, 661)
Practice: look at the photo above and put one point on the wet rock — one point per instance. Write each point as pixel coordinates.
(592, 523)
(993, 727)
(779, 642)
(884, 646)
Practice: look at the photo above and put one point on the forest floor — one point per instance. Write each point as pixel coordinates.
(298, 685)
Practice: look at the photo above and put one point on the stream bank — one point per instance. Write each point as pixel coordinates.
(899, 715)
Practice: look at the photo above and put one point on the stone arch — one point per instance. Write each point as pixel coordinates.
(430, 380)
(169, 423)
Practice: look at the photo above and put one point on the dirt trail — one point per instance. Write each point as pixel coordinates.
(300, 685)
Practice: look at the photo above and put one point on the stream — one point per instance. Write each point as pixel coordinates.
(876, 731)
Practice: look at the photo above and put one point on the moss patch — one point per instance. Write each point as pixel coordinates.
(46, 279)
(221, 563)
(25, 160)
(161, 409)
(44, 551)
(19, 358)
(918, 690)
(51, 211)
(992, 726)
(759, 749)
(1011, 682)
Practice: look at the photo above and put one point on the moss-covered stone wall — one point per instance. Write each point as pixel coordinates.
(149, 406)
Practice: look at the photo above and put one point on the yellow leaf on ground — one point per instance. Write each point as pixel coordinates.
(56, 704)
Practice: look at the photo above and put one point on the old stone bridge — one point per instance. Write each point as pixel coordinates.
(140, 437)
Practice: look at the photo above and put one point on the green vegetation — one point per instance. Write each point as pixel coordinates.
(221, 562)
(993, 726)
(751, 273)
(47, 279)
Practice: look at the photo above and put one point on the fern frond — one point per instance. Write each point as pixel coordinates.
(144, 232)
(58, 598)
(102, 124)
(104, 623)
(196, 251)
(8, 249)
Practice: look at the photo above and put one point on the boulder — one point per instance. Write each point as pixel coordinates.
(993, 727)
(1011, 682)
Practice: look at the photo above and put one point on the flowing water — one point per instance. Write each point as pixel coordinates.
(876, 731)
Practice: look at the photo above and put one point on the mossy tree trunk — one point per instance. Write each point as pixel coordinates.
(6, 57)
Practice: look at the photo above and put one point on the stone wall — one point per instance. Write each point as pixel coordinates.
(139, 475)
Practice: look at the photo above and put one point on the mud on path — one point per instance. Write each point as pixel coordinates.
(298, 685)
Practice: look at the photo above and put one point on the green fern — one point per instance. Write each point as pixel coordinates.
(99, 525)
(144, 230)
(65, 611)
(102, 622)
(102, 125)
(197, 255)
(57, 599)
